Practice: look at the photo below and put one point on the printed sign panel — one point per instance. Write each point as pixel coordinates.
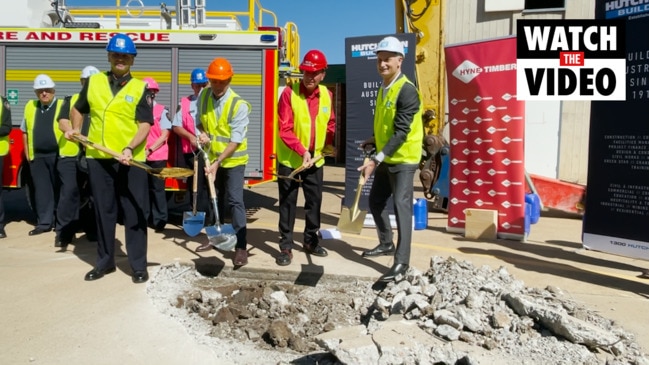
(570, 59)
(487, 130)
(617, 192)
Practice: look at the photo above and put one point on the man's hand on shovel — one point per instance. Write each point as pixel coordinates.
(306, 161)
(126, 156)
(369, 164)
(210, 171)
(70, 134)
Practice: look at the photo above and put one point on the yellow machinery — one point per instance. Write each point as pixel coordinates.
(425, 18)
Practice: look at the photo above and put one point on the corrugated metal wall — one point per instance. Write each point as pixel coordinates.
(64, 65)
(467, 21)
(244, 62)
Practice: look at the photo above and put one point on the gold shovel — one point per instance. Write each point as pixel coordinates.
(159, 172)
(292, 175)
(352, 219)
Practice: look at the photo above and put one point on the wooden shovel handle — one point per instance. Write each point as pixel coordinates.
(195, 180)
(86, 142)
(195, 186)
(301, 168)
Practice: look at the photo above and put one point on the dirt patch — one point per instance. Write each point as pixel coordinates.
(270, 319)
(474, 314)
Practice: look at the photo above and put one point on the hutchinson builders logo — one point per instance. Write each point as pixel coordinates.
(367, 49)
(570, 60)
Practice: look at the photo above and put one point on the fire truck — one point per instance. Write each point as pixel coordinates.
(171, 42)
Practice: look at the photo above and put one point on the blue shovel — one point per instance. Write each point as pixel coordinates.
(193, 221)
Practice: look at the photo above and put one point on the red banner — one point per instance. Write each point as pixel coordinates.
(486, 135)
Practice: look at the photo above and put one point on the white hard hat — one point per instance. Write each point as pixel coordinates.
(390, 44)
(43, 81)
(89, 71)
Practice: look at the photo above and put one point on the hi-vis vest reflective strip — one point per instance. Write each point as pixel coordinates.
(30, 117)
(302, 126)
(112, 117)
(220, 129)
(4, 141)
(386, 109)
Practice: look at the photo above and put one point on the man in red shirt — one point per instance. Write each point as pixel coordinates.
(306, 128)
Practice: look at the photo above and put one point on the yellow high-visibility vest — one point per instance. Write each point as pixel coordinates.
(302, 126)
(30, 118)
(220, 129)
(112, 117)
(386, 109)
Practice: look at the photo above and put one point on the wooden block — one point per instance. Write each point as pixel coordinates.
(480, 224)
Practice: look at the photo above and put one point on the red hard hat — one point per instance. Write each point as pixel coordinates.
(314, 60)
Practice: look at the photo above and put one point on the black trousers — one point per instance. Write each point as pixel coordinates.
(118, 188)
(229, 191)
(43, 170)
(87, 221)
(157, 196)
(67, 210)
(311, 184)
(395, 181)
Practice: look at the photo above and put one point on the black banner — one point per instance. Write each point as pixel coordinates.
(362, 84)
(617, 194)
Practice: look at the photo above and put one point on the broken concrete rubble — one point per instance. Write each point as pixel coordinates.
(454, 313)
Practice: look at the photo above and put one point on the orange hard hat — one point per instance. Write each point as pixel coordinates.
(219, 69)
(313, 61)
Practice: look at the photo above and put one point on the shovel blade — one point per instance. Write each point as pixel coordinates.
(225, 239)
(351, 221)
(193, 223)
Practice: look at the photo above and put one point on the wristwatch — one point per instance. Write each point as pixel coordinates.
(376, 161)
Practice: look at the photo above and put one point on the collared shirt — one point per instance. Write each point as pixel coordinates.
(239, 122)
(287, 123)
(165, 123)
(193, 111)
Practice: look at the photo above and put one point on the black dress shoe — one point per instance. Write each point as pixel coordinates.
(61, 242)
(160, 227)
(380, 250)
(284, 258)
(3, 234)
(140, 277)
(95, 273)
(316, 250)
(39, 230)
(395, 270)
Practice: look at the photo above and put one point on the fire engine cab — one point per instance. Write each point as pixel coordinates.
(48, 37)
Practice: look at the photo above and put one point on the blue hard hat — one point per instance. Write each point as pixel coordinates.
(121, 43)
(198, 76)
